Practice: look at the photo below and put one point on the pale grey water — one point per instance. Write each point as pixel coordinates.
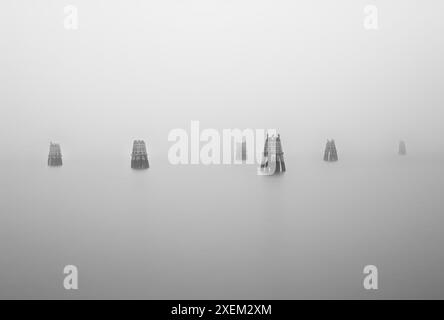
(221, 231)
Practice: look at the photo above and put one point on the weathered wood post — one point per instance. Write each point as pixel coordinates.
(273, 156)
(139, 157)
(330, 153)
(55, 155)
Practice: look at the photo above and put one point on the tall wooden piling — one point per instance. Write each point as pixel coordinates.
(330, 153)
(139, 157)
(55, 155)
(273, 156)
(241, 151)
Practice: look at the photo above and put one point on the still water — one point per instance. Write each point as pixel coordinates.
(186, 232)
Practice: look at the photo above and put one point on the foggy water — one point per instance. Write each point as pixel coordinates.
(222, 231)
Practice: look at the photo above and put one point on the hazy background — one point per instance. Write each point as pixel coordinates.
(137, 69)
